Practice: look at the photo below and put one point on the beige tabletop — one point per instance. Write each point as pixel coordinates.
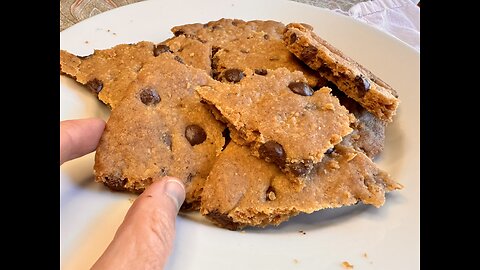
(74, 11)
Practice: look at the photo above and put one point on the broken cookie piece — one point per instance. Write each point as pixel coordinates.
(160, 128)
(243, 190)
(239, 45)
(349, 76)
(280, 117)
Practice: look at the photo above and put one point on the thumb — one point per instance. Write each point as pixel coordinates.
(145, 237)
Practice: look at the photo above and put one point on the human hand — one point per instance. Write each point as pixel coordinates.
(144, 240)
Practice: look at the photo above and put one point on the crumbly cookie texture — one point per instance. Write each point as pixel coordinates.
(193, 52)
(107, 73)
(237, 44)
(160, 128)
(243, 190)
(349, 76)
(282, 119)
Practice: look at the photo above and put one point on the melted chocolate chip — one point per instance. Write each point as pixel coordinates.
(160, 48)
(266, 37)
(178, 33)
(272, 151)
(301, 88)
(301, 168)
(293, 38)
(261, 71)
(234, 75)
(95, 85)
(149, 96)
(308, 53)
(363, 84)
(195, 134)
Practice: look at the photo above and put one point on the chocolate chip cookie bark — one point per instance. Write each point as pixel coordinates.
(107, 73)
(243, 190)
(240, 45)
(282, 119)
(348, 75)
(160, 128)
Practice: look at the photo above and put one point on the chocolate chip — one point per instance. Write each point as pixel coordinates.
(189, 178)
(178, 33)
(179, 59)
(308, 53)
(149, 96)
(261, 71)
(95, 85)
(272, 151)
(167, 140)
(293, 38)
(329, 151)
(301, 168)
(233, 75)
(301, 88)
(266, 37)
(115, 183)
(195, 134)
(160, 48)
(362, 83)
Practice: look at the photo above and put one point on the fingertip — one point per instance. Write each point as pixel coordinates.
(170, 186)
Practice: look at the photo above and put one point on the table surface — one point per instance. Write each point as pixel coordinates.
(74, 11)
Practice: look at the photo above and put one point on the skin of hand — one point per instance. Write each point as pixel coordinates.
(144, 240)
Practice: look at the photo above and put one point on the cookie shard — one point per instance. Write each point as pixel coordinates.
(160, 128)
(349, 76)
(107, 73)
(280, 125)
(238, 44)
(242, 190)
(368, 135)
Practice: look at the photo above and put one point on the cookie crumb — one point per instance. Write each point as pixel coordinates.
(86, 42)
(295, 261)
(347, 265)
(131, 200)
(302, 232)
(329, 106)
(365, 255)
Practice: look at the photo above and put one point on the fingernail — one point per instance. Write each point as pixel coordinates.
(176, 191)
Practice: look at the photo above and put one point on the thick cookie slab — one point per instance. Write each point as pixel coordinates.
(282, 119)
(243, 190)
(160, 128)
(348, 75)
(237, 44)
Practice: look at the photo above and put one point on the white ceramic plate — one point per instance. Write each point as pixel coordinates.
(366, 237)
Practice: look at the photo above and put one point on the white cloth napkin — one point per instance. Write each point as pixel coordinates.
(400, 18)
